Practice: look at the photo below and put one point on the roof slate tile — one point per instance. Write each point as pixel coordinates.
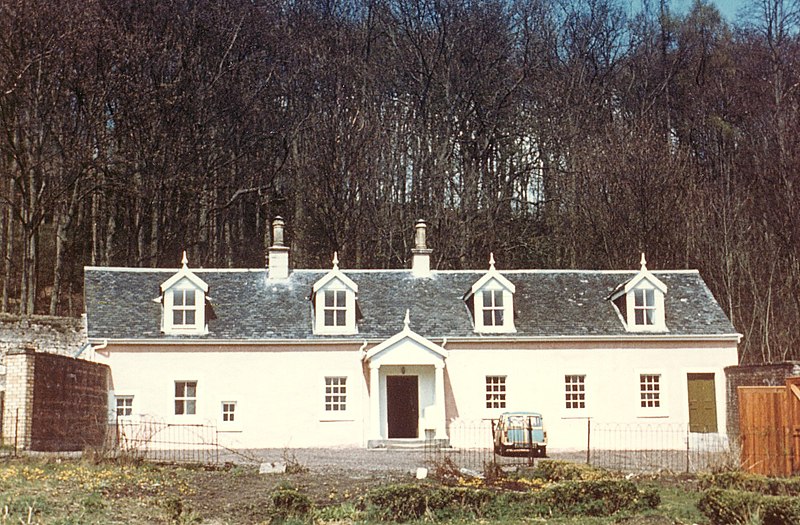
(248, 306)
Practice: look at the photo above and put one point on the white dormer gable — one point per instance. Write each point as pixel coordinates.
(491, 301)
(640, 302)
(183, 299)
(334, 299)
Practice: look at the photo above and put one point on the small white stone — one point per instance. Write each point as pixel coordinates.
(272, 468)
(422, 473)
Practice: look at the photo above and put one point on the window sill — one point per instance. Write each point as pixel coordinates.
(232, 430)
(652, 416)
(343, 419)
(576, 416)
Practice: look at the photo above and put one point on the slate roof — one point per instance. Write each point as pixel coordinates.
(120, 305)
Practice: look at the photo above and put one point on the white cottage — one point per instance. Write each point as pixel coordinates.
(298, 358)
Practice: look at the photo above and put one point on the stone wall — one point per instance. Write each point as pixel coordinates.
(54, 402)
(774, 374)
(57, 335)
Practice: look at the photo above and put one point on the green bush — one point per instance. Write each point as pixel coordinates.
(455, 502)
(553, 470)
(738, 480)
(289, 503)
(398, 502)
(596, 497)
(570, 498)
(738, 507)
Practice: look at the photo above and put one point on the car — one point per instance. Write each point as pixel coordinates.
(518, 433)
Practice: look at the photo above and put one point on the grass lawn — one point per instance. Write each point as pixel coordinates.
(72, 492)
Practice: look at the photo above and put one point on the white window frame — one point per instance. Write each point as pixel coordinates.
(644, 304)
(655, 322)
(496, 392)
(652, 393)
(181, 304)
(228, 414)
(185, 398)
(575, 401)
(337, 311)
(184, 288)
(491, 308)
(481, 305)
(129, 407)
(349, 327)
(335, 401)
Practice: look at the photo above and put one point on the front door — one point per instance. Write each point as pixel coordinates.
(402, 406)
(702, 403)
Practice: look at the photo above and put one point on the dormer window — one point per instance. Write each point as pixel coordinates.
(493, 308)
(491, 301)
(640, 302)
(183, 300)
(644, 307)
(334, 301)
(335, 308)
(184, 307)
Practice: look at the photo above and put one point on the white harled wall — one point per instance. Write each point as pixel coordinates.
(535, 382)
(279, 394)
(280, 391)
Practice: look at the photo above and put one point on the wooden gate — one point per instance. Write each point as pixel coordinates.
(770, 428)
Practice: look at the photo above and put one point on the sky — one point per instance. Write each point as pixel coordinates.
(728, 8)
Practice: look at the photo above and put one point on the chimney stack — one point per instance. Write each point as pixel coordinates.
(421, 254)
(278, 262)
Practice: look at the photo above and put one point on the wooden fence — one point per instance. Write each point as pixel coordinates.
(770, 428)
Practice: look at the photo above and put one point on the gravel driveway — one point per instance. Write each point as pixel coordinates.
(350, 459)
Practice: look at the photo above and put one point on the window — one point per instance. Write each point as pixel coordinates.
(335, 302)
(183, 298)
(644, 307)
(575, 391)
(335, 394)
(185, 398)
(124, 405)
(495, 391)
(650, 390)
(228, 411)
(493, 308)
(335, 307)
(183, 307)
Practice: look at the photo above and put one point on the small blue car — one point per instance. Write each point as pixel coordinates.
(518, 433)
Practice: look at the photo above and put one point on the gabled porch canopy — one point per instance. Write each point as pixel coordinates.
(407, 348)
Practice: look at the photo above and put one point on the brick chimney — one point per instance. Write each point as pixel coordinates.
(421, 254)
(278, 259)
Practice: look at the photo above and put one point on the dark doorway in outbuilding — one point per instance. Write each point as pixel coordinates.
(402, 406)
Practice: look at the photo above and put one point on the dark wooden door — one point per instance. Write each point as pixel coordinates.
(402, 406)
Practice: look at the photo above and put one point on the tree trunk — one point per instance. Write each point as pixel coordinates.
(64, 222)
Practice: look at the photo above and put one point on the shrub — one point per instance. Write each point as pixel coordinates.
(289, 503)
(553, 470)
(452, 502)
(727, 506)
(596, 497)
(409, 502)
(397, 502)
(570, 498)
(738, 480)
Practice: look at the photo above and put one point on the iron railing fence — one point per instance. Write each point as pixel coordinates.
(627, 447)
(155, 440)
